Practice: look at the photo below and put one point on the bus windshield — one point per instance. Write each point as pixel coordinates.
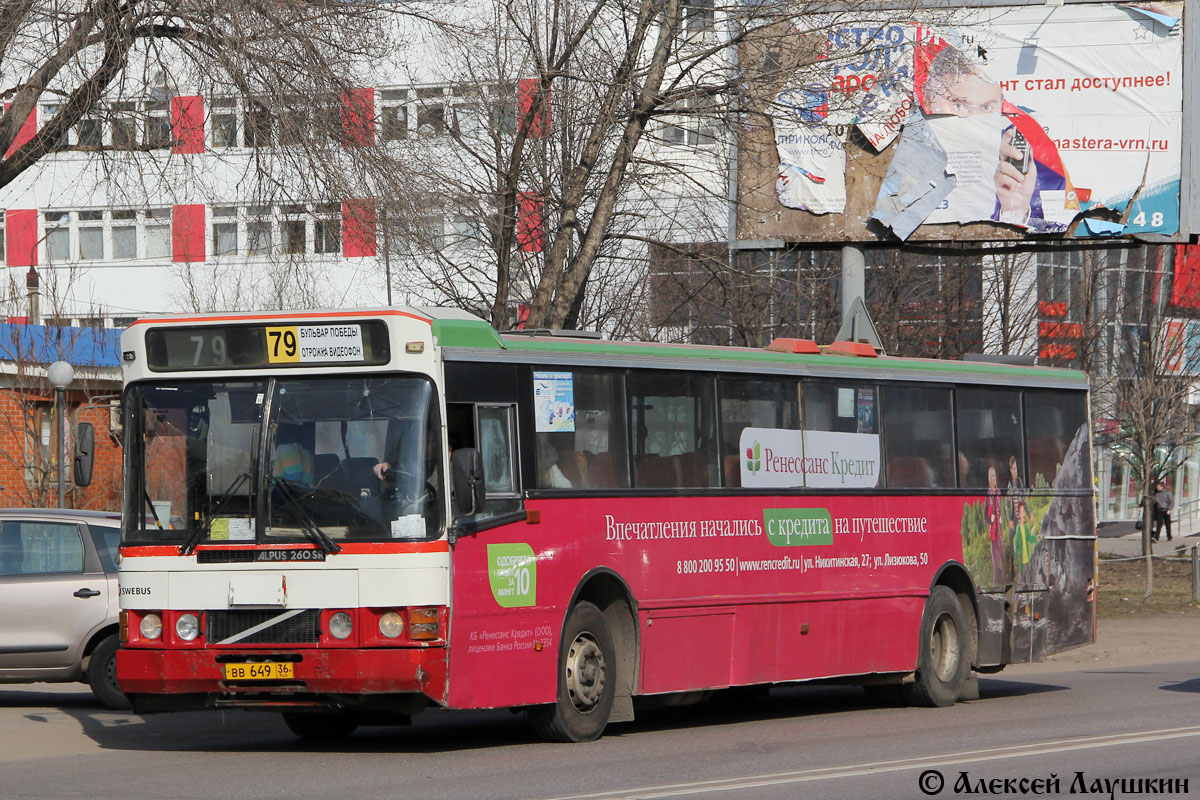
(277, 460)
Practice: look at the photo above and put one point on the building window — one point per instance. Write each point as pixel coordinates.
(294, 127)
(224, 124)
(431, 112)
(694, 125)
(123, 125)
(295, 236)
(57, 236)
(327, 229)
(393, 111)
(698, 16)
(224, 230)
(91, 133)
(49, 112)
(257, 125)
(124, 234)
(158, 135)
(158, 233)
(259, 231)
(91, 236)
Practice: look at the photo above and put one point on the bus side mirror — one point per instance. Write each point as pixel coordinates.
(466, 471)
(85, 445)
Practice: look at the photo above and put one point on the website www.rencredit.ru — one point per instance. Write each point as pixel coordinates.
(769, 564)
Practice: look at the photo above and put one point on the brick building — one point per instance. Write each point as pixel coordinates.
(28, 462)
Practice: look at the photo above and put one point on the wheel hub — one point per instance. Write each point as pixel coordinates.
(944, 648)
(585, 672)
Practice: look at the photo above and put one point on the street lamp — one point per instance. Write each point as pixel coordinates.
(60, 374)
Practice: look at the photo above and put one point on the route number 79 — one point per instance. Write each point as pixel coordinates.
(282, 345)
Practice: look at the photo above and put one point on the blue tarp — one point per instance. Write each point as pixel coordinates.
(44, 344)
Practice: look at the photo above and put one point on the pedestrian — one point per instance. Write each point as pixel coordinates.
(1163, 500)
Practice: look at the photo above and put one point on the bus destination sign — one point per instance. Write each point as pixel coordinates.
(314, 343)
(254, 346)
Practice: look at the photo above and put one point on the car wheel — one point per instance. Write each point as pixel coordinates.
(102, 674)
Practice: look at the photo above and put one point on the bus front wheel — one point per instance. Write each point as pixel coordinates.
(942, 663)
(586, 680)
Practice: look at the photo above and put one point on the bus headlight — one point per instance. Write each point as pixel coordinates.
(340, 625)
(391, 624)
(151, 626)
(187, 627)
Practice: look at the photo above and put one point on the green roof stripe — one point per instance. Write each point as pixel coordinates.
(480, 335)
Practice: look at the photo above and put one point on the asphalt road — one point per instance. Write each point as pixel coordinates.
(1100, 722)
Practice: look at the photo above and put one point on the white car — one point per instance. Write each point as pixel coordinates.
(58, 592)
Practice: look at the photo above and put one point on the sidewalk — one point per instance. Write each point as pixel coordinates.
(1186, 536)
(1126, 641)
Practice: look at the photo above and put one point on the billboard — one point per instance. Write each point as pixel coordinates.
(993, 122)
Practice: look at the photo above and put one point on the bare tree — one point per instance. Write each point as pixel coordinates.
(576, 123)
(1145, 381)
(1010, 307)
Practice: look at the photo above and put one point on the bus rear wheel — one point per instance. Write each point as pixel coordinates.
(321, 725)
(942, 662)
(586, 681)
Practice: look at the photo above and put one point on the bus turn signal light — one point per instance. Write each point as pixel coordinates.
(423, 624)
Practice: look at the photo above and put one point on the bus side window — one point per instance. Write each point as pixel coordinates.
(491, 429)
(747, 403)
(1052, 420)
(918, 436)
(841, 407)
(989, 436)
(673, 429)
(582, 446)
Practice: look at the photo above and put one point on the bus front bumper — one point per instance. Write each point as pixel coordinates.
(146, 674)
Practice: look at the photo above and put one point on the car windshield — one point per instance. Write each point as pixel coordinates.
(307, 459)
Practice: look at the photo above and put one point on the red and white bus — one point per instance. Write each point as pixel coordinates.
(350, 516)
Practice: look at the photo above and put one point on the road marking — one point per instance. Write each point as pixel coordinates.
(877, 767)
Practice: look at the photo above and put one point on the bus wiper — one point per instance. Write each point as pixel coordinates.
(307, 524)
(201, 532)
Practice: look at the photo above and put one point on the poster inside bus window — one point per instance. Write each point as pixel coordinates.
(553, 401)
(788, 459)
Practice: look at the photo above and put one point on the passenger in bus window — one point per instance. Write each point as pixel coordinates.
(549, 474)
(991, 510)
(293, 461)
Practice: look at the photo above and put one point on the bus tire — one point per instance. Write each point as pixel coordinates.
(321, 725)
(586, 680)
(942, 660)
(102, 674)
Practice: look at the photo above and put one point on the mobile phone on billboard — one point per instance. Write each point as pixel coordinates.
(1021, 144)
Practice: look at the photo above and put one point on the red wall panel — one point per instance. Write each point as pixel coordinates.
(527, 93)
(529, 222)
(1185, 288)
(187, 233)
(187, 124)
(358, 228)
(28, 129)
(20, 237)
(358, 117)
